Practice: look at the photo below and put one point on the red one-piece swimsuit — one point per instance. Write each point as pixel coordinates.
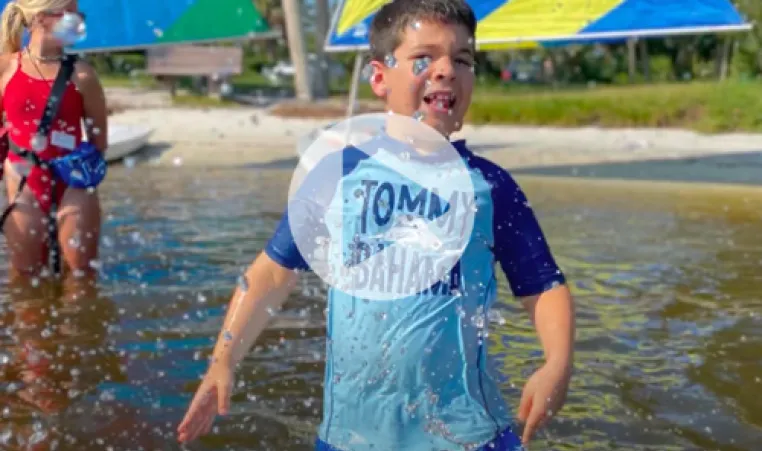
(24, 102)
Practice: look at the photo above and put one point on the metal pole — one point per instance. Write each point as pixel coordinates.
(632, 59)
(356, 72)
(291, 11)
(322, 23)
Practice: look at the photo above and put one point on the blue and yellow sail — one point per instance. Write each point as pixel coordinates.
(537, 22)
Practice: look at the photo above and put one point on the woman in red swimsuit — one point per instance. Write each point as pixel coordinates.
(27, 74)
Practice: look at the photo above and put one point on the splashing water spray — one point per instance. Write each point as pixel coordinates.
(70, 29)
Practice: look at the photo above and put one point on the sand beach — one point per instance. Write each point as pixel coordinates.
(253, 135)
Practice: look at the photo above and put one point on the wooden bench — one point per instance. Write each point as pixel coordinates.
(215, 63)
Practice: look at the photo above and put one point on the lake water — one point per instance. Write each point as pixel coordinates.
(666, 277)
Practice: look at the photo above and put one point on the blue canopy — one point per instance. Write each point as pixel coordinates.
(114, 25)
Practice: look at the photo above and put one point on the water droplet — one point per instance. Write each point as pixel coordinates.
(38, 143)
(367, 71)
(390, 61)
(478, 319)
(228, 335)
(495, 317)
(243, 284)
(421, 65)
(415, 25)
(418, 116)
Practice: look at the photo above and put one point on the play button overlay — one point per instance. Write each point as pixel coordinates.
(382, 207)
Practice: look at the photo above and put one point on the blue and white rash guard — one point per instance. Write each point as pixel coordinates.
(412, 372)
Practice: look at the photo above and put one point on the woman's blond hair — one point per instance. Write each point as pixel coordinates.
(17, 15)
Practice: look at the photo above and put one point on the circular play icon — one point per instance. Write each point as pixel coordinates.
(382, 207)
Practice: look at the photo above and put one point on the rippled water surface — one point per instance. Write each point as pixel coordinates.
(667, 280)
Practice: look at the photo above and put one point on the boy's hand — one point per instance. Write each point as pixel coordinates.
(544, 395)
(212, 398)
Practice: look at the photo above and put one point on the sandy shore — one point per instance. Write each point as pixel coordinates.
(250, 135)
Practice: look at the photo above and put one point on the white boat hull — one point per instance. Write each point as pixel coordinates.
(126, 139)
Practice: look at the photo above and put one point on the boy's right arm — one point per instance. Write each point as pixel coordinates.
(265, 287)
(263, 290)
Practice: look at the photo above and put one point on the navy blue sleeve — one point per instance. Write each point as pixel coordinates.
(282, 248)
(519, 243)
(307, 208)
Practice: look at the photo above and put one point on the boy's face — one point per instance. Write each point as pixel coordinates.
(429, 76)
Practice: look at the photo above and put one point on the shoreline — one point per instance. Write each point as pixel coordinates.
(251, 136)
(260, 137)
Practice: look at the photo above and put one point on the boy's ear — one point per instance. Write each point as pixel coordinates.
(378, 79)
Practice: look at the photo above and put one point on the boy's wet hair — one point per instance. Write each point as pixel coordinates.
(391, 20)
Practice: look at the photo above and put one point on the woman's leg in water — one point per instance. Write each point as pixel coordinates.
(25, 229)
(79, 229)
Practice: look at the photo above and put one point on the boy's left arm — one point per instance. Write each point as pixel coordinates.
(552, 313)
(536, 280)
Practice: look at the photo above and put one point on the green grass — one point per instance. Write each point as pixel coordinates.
(709, 107)
(705, 107)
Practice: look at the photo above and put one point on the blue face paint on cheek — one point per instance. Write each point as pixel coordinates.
(421, 65)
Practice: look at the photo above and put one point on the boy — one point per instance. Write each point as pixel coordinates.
(409, 373)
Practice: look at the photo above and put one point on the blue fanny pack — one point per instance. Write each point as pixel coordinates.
(84, 167)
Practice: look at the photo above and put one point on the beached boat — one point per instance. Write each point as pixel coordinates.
(125, 140)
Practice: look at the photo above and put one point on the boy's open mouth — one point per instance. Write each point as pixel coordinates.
(441, 101)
